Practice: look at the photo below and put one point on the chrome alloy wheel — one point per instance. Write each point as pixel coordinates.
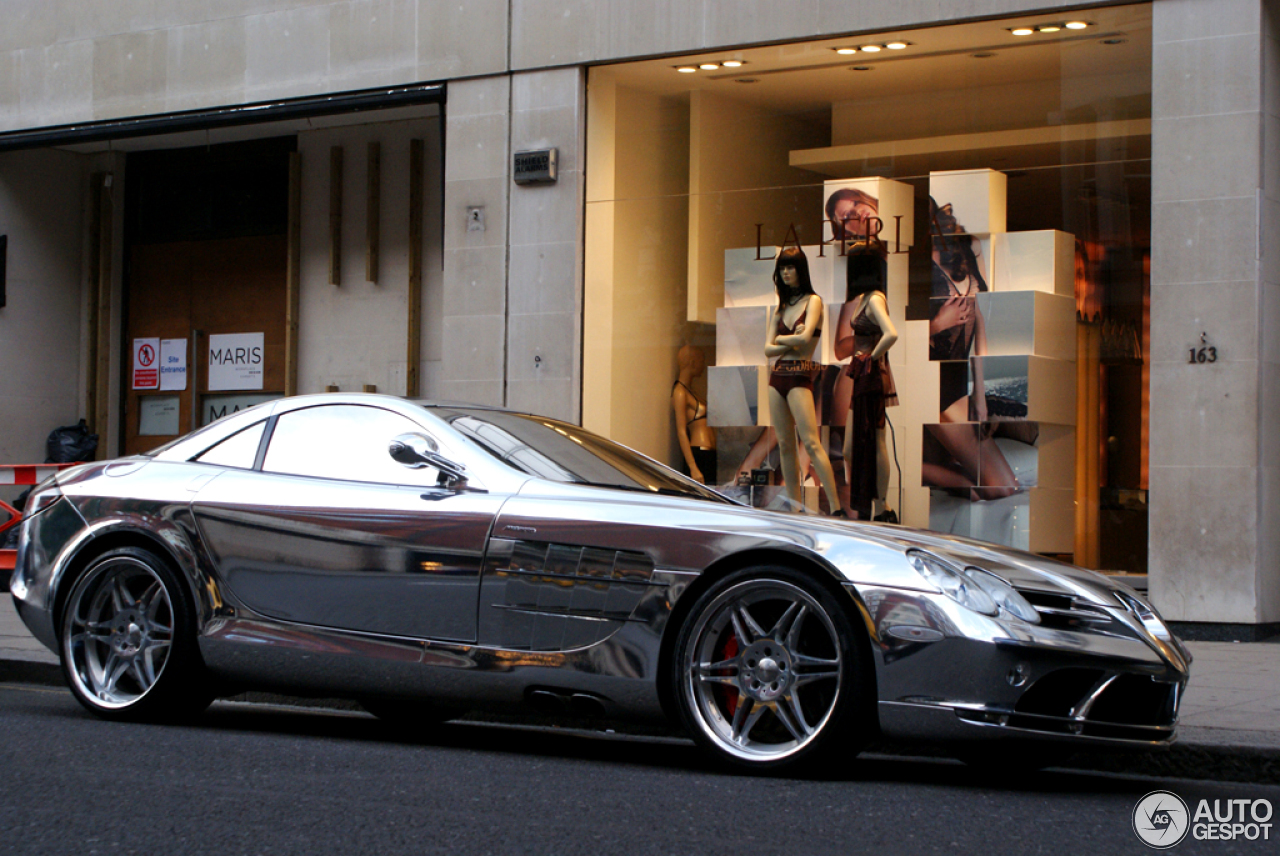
(118, 632)
(763, 670)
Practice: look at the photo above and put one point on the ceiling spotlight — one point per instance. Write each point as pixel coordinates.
(846, 51)
(686, 69)
(983, 55)
(1076, 25)
(1048, 28)
(897, 46)
(860, 68)
(733, 63)
(871, 48)
(709, 66)
(1022, 31)
(1114, 41)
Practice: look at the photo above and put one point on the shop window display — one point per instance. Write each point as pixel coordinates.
(972, 270)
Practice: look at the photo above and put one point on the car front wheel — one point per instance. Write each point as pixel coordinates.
(770, 672)
(128, 639)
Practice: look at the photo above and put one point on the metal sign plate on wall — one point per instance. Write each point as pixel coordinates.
(537, 166)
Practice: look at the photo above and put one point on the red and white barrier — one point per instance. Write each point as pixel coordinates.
(20, 474)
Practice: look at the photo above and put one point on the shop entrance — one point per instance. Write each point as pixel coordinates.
(204, 285)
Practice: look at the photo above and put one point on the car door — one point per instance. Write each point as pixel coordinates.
(329, 531)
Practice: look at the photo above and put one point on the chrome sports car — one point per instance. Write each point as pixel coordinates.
(428, 559)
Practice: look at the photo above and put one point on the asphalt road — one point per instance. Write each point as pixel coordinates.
(248, 779)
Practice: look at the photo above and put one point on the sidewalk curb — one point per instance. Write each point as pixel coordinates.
(1217, 761)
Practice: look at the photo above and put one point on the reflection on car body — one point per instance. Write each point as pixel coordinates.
(427, 559)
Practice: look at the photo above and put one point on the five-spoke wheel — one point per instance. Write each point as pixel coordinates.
(126, 646)
(768, 668)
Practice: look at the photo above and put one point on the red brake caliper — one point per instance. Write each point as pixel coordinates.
(728, 652)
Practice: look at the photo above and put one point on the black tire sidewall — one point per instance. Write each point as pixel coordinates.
(176, 693)
(850, 724)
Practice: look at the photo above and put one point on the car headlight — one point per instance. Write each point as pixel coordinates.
(1005, 595)
(1147, 615)
(973, 588)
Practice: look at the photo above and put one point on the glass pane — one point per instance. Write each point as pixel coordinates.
(238, 450)
(347, 442)
(1007, 179)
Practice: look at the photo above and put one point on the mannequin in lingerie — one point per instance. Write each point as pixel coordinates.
(864, 335)
(697, 439)
(792, 338)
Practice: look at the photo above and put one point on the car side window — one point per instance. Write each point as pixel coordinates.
(342, 441)
(238, 450)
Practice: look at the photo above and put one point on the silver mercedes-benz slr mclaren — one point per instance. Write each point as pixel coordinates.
(426, 559)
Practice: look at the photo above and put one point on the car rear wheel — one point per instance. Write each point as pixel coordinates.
(128, 640)
(770, 672)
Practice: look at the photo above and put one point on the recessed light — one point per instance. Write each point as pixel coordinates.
(846, 51)
(1076, 25)
(1114, 41)
(896, 46)
(1022, 31)
(860, 68)
(746, 80)
(709, 66)
(1048, 28)
(871, 48)
(733, 63)
(686, 69)
(983, 55)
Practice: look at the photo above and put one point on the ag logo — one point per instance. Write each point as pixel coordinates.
(1161, 819)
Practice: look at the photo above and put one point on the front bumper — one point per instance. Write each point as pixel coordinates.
(946, 673)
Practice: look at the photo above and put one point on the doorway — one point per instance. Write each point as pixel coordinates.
(205, 274)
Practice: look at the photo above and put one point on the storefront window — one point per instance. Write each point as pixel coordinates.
(979, 191)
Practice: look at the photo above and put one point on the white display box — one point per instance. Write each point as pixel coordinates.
(1041, 520)
(1032, 454)
(893, 201)
(1034, 261)
(976, 197)
(1029, 322)
(748, 280)
(736, 396)
(1026, 387)
(740, 335)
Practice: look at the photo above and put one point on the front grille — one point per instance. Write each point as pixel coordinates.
(1064, 611)
(1135, 700)
(1058, 693)
(1093, 703)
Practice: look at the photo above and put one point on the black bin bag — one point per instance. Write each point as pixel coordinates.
(71, 443)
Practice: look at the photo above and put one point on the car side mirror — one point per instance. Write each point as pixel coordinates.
(419, 450)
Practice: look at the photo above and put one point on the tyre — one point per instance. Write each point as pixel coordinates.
(771, 673)
(128, 640)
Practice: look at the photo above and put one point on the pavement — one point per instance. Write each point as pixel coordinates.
(1229, 728)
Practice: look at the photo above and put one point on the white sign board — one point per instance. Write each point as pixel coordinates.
(158, 416)
(173, 364)
(146, 363)
(235, 361)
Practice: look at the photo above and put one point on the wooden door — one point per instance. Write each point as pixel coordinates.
(230, 285)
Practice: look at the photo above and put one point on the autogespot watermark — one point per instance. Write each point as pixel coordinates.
(1162, 820)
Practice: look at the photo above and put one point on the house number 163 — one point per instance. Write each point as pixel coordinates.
(1206, 353)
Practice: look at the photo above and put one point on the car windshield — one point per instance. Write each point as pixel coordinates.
(560, 451)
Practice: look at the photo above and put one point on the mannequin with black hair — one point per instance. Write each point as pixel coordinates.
(792, 337)
(864, 335)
